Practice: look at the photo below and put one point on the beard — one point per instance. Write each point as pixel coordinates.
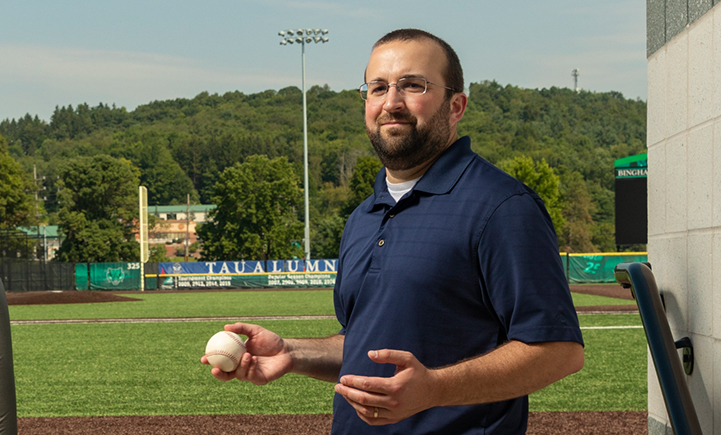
(401, 151)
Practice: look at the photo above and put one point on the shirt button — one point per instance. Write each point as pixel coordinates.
(392, 216)
(381, 242)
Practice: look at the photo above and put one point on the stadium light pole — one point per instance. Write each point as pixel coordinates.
(302, 37)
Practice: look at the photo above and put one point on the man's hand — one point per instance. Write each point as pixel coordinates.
(266, 358)
(512, 370)
(380, 401)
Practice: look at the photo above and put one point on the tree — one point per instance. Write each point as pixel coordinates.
(17, 205)
(326, 243)
(577, 234)
(179, 142)
(362, 182)
(158, 254)
(543, 180)
(256, 214)
(159, 172)
(99, 208)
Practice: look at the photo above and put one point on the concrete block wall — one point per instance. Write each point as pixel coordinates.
(684, 191)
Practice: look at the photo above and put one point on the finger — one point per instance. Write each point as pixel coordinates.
(372, 415)
(364, 410)
(221, 375)
(363, 398)
(246, 367)
(389, 356)
(246, 329)
(365, 384)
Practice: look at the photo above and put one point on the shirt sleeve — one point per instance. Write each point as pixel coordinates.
(522, 274)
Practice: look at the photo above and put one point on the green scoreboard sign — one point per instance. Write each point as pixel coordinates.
(631, 196)
(632, 166)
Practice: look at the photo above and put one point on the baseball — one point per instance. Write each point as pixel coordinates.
(224, 350)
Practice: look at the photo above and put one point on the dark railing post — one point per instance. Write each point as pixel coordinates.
(8, 404)
(568, 267)
(679, 405)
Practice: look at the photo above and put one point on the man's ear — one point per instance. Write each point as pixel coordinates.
(459, 101)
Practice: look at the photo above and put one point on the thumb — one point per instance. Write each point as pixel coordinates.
(400, 358)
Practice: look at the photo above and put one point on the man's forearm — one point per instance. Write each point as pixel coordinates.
(513, 370)
(319, 358)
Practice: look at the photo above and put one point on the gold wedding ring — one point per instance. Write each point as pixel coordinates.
(375, 413)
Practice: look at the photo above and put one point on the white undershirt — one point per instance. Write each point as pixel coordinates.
(397, 190)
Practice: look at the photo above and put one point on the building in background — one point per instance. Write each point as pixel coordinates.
(43, 239)
(176, 226)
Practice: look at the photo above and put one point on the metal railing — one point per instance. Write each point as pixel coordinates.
(671, 373)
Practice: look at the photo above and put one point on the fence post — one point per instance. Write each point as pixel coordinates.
(568, 268)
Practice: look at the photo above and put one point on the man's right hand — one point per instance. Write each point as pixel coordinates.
(266, 358)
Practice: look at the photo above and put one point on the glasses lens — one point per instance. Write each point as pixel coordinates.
(412, 85)
(376, 89)
(363, 91)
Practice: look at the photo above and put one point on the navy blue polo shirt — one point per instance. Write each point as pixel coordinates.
(465, 261)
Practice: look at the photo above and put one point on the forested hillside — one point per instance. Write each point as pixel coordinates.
(182, 146)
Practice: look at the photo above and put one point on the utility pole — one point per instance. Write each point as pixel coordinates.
(40, 185)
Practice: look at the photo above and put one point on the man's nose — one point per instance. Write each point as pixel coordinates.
(393, 100)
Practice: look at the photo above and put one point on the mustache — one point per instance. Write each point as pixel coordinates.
(396, 118)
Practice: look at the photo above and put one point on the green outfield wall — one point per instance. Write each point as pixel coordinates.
(579, 268)
(591, 268)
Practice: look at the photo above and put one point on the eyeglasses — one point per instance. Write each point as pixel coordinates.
(377, 89)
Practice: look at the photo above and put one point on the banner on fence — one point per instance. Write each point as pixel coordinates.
(597, 268)
(114, 276)
(247, 274)
(580, 268)
(81, 276)
(247, 267)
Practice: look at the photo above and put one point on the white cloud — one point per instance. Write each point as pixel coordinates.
(36, 78)
(97, 67)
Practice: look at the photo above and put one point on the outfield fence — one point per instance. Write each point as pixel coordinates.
(25, 275)
(22, 275)
(207, 275)
(597, 267)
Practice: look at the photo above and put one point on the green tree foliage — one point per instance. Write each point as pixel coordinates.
(157, 254)
(182, 146)
(17, 204)
(99, 197)
(577, 233)
(165, 180)
(256, 214)
(362, 182)
(543, 180)
(326, 243)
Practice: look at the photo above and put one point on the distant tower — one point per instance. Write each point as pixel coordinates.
(574, 74)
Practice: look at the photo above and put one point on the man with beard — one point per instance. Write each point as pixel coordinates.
(450, 290)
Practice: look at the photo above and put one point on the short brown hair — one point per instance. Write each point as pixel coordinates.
(454, 72)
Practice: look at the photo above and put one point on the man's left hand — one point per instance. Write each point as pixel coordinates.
(380, 401)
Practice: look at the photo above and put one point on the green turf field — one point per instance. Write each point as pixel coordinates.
(154, 368)
(581, 300)
(216, 304)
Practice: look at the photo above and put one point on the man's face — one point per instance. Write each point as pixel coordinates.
(409, 130)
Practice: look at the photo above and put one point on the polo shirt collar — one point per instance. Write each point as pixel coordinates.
(438, 179)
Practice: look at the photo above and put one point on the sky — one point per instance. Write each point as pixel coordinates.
(131, 52)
